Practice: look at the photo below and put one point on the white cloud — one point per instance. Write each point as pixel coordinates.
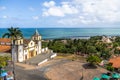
(105, 10)
(35, 17)
(5, 17)
(68, 9)
(63, 10)
(49, 4)
(53, 11)
(77, 12)
(77, 21)
(2, 7)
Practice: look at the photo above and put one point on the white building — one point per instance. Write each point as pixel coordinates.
(23, 49)
(106, 39)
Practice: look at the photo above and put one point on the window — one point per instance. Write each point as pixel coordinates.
(20, 42)
(7, 43)
(2, 43)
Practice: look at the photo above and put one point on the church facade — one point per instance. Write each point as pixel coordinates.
(23, 49)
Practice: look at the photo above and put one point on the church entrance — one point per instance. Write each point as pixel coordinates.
(31, 54)
(25, 57)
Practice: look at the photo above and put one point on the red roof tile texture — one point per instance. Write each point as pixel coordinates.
(115, 62)
(5, 48)
(5, 40)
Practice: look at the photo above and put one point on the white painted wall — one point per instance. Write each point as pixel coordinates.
(20, 53)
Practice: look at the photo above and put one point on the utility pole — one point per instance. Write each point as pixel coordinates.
(14, 74)
(13, 59)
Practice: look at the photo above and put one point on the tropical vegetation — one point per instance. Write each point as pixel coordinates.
(13, 33)
(93, 47)
(4, 60)
(93, 60)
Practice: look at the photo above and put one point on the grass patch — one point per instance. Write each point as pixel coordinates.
(72, 57)
(6, 54)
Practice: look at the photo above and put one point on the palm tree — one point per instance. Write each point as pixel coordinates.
(13, 33)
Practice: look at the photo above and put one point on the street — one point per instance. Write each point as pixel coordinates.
(27, 72)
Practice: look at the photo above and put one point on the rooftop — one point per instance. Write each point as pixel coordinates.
(5, 48)
(115, 62)
(5, 40)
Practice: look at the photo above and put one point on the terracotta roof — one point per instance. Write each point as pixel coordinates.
(115, 62)
(6, 40)
(5, 48)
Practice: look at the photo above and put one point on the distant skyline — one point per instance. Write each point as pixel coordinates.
(60, 13)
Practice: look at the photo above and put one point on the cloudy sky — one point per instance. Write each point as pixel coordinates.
(60, 13)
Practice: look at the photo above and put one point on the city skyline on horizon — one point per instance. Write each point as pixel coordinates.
(60, 13)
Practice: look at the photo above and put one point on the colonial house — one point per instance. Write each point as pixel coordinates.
(106, 39)
(22, 49)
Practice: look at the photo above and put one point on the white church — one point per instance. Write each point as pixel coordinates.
(23, 49)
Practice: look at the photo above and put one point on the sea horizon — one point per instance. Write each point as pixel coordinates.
(65, 33)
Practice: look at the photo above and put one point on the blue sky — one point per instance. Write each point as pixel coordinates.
(60, 13)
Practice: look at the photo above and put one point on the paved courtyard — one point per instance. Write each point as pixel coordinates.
(63, 69)
(56, 69)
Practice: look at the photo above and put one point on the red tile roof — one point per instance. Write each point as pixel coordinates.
(5, 48)
(5, 40)
(115, 62)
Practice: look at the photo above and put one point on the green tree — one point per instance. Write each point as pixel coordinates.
(3, 60)
(91, 49)
(105, 53)
(116, 51)
(92, 59)
(115, 44)
(117, 39)
(96, 38)
(109, 67)
(13, 33)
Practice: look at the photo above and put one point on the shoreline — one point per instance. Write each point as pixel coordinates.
(79, 37)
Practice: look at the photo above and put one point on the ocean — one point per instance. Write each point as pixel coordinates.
(56, 33)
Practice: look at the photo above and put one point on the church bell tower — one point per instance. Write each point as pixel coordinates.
(37, 38)
(17, 50)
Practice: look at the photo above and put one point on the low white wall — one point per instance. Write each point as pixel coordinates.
(54, 55)
(43, 61)
(44, 49)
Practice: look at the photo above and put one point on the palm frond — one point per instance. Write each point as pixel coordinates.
(13, 33)
(6, 34)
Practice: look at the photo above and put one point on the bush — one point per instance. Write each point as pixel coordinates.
(92, 59)
(109, 67)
